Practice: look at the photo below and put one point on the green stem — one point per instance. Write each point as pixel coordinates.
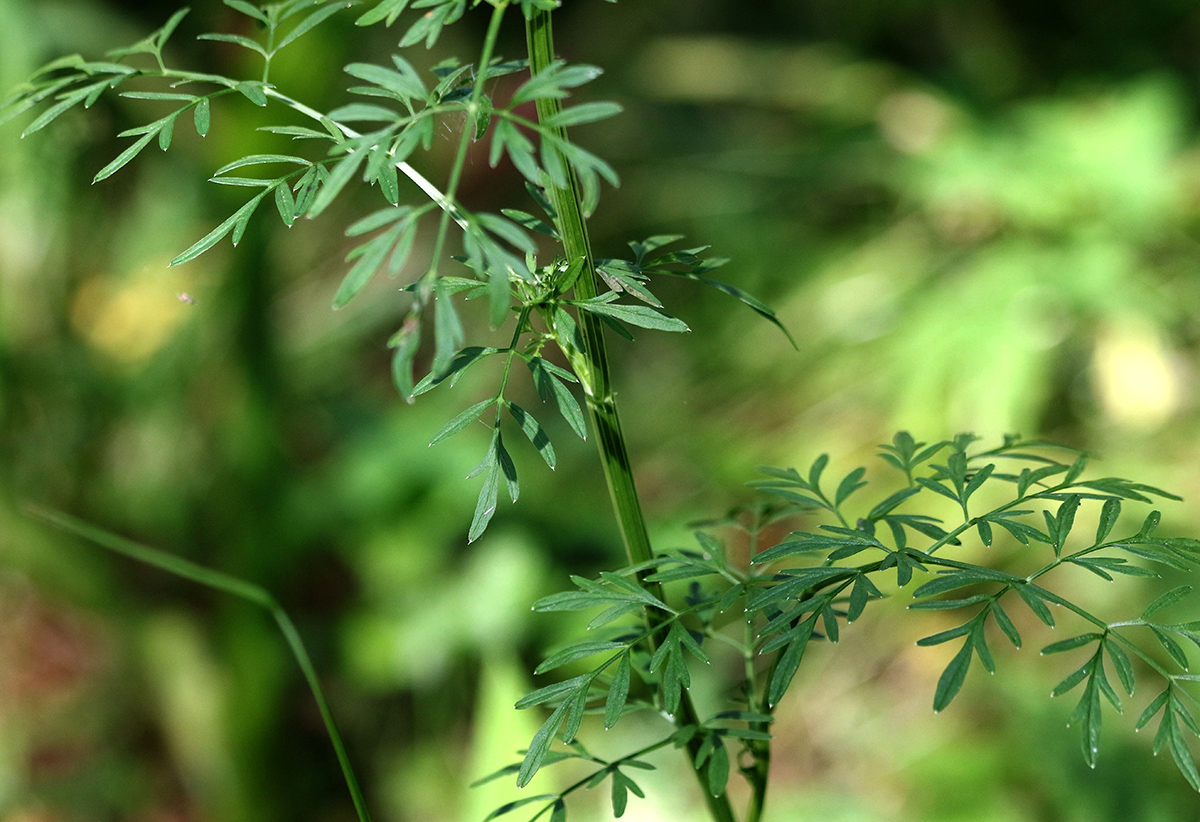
(408, 171)
(601, 402)
(464, 142)
(586, 781)
(758, 771)
(231, 585)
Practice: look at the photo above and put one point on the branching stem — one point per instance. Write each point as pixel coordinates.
(601, 402)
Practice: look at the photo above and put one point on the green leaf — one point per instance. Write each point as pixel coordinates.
(977, 481)
(164, 133)
(945, 636)
(1035, 603)
(202, 116)
(239, 218)
(485, 507)
(405, 343)
(949, 604)
(364, 113)
(979, 640)
(580, 650)
(815, 471)
(849, 485)
(614, 613)
(459, 363)
(403, 248)
(639, 315)
(237, 39)
(1166, 600)
(387, 9)
(549, 386)
(892, 502)
(507, 468)
(1121, 664)
(1171, 646)
(508, 231)
(620, 795)
(1022, 531)
(160, 37)
(863, 591)
(951, 680)
(1108, 518)
(1088, 714)
(46, 117)
(585, 113)
(341, 174)
(985, 532)
(1154, 707)
(124, 157)
(1075, 470)
(378, 220)
(156, 95)
(462, 420)
(578, 601)
(718, 768)
(1005, 624)
(403, 84)
(370, 257)
(245, 182)
(309, 23)
(429, 25)
(260, 159)
(448, 333)
(789, 661)
(618, 691)
(381, 170)
(306, 189)
(285, 204)
(937, 488)
(253, 91)
(297, 132)
(1183, 757)
(575, 717)
(534, 224)
(509, 807)
(550, 82)
(1071, 644)
(248, 9)
(535, 432)
(552, 692)
(956, 580)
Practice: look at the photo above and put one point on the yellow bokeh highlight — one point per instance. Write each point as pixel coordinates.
(129, 318)
(1138, 383)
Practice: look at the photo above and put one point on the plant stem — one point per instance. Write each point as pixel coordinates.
(464, 142)
(408, 171)
(220, 581)
(601, 402)
(758, 771)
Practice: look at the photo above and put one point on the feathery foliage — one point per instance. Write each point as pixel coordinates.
(663, 613)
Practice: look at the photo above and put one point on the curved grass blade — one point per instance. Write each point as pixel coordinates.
(227, 584)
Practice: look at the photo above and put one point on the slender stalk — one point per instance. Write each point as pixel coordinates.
(758, 771)
(231, 585)
(464, 142)
(408, 171)
(601, 401)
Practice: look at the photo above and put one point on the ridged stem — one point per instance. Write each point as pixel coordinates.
(601, 401)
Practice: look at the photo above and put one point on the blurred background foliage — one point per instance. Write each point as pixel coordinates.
(973, 215)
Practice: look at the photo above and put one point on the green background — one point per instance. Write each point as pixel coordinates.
(972, 216)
